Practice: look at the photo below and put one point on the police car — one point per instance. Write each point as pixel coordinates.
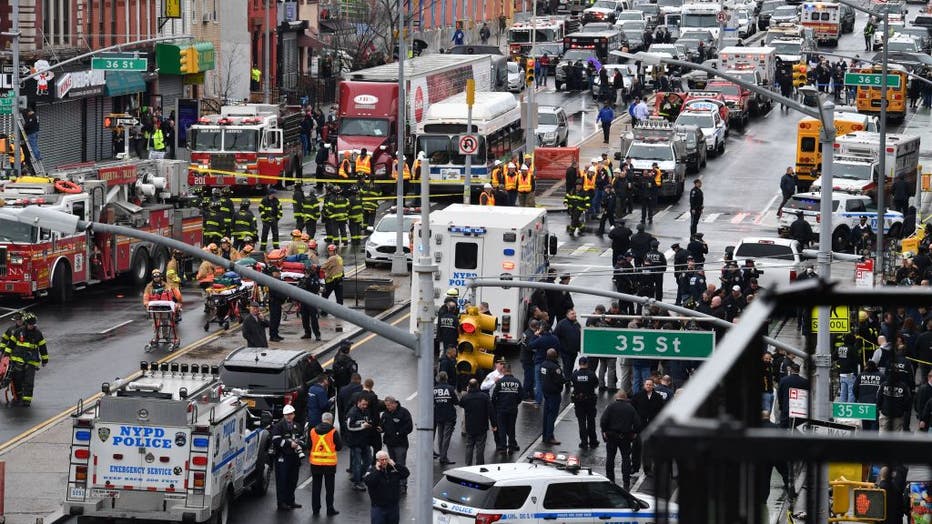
(549, 487)
(847, 210)
(708, 118)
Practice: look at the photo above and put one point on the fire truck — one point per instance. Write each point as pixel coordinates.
(169, 445)
(36, 261)
(250, 145)
(548, 29)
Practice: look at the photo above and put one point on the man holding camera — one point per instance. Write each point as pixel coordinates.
(289, 454)
(384, 482)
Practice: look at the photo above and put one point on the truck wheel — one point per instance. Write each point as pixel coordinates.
(680, 188)
(840, 239)
(221, 515)
(62, 289)
(262, 476)
(160, 260)
(139, 269)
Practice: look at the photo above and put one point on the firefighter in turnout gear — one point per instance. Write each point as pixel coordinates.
(213, 224)
(336, 211)
(244, 225)
(297, 246)
(270, 211)
(356, 218)
(300, 215)
(576, 202)
(311, 213)
(6, 341)
(227, 208)
(370, 200)
(346, 166)
(27, 352)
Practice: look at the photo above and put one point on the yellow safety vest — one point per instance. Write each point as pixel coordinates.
(588, 181)
(364, 165)
(497, 175)
(524, 183)
(511, 181)
(158, 140)
(345, 168)
(486, 199)
(323, 449)
(406, 175)
(416, 168)
(256, 74)
(658, 177)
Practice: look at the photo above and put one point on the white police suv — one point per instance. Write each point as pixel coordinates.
(548, 488)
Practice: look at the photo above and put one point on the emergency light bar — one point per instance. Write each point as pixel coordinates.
(561, 459)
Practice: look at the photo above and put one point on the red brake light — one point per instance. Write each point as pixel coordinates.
(82, 454)
(199, 460)
(488, 518)
(792, 275)
(818, 218)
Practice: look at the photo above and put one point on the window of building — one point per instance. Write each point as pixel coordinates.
(56, 22)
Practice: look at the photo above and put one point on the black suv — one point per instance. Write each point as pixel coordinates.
(271, 378)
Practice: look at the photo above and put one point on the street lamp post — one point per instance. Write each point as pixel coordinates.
(266, 54)
(399, 260)
(18, 138)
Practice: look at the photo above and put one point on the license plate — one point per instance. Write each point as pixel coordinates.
(77, 493)
(249, 402)
(105, 493)
(442, 519)
(876, 103)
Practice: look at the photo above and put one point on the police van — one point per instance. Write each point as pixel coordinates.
(550, 487)
(470, 241)
(171, 445)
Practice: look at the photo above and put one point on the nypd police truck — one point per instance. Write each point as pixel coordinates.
(170, 445)
(469, 241)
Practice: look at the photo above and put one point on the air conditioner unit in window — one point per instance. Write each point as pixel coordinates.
(207, 18)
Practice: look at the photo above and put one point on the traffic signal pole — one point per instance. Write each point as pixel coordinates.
(399, 260)
(470, 100)
(882, 160)
(17, 138)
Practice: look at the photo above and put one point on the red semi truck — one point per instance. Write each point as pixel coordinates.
(368, 111)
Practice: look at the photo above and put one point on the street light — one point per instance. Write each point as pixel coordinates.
(399, 260)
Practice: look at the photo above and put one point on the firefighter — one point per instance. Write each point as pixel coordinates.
(27, 352)
(333, 276)
(270, 211)
(213, 223)
(576, 202)
(227, 250)
(205, 272)
(370, 200)
(364, 163)
(311, 213)
(6, 341)
(346, 166)
(297, 246)
(244, 225)
(588, 182)
(525, 187)
(300, 215)
(356, 218)
(327, 214)
(339, 213)
(487, 197)
(227, 208)
(511, 183)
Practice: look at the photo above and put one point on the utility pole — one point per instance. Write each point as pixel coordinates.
(18, 137)
(399, 260)
(531, 131)
(882, 153)
(470, 100)
(424, 469)
(266, 53)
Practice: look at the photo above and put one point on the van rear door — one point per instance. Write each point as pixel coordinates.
(133, 456)
(465, 264)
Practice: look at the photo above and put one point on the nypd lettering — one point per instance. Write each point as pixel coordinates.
(138, 436)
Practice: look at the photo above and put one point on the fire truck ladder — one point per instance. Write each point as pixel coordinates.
(38, 168)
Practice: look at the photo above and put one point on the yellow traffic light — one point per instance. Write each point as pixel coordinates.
(840, 500)
(188, 61)
(529, 72)
(799, 75)
(476, 343)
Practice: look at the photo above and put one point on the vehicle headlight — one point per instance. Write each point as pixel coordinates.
(380, 170)
(16, 259)
(370, 245)
(329, 169)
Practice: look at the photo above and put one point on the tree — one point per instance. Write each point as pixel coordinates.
(231, 81)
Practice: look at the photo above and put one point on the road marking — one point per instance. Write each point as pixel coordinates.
(306, 483)
(534, 444)
(560, 243)
(711, 217)
(737, 219)
(770, 203)
(15, 311)
(606, 253)
(682, 217)
(663, 211)
(581, 250)
(759, 218)
(367, 338)
(411, 397)
(118, 326)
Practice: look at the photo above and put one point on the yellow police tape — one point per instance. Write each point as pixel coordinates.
(240, 174)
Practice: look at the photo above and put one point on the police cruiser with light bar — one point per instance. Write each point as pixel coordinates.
(550, 486)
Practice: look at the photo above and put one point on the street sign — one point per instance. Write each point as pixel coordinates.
(824, 427)
(119, 64)
(647, 343)
(722, 17)
(7, 101)
(871, 80)
(799, 403)
(839, 323)
(864, 273)
(854, 410)
(469, 144)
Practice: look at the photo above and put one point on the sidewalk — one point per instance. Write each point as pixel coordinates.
(37, 468)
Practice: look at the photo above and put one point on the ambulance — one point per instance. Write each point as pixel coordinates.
(508, 243)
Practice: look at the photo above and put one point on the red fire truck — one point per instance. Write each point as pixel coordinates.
(246, 145)
(35, 261)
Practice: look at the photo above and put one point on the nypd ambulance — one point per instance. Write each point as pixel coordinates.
(470, 241)
(550, 487)
(171, 445)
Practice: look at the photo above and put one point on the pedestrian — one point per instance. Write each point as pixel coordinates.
(569, 333)
(478, 416)
(484, 33)
(285, 442)
(373, 414)
(847, 358)
(696, 203)
(254, 326)
(270, 212)
(800, 230)
(445, 402)
(893, 403)
(459, 36)
(869, 29)
(620, 425)
(650, 183)
(606, 116)
(791, 381)
(641, 111)
(648, 404)
(395, 425)
(324, 442)
(255, 78)
(333, 276)
(552, 382)
(346, 394)
(544, 70)
(507, 394)
(787, 187)
(356, 433)
(384, 481)
(585, 383)
(894, 506)
(344, 366)
(525, 187)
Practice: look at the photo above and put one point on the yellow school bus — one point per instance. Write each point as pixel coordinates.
(808, 148)
(868, 98)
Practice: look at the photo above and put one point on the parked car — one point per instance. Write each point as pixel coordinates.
(920, 35)
(785, 14)
(516, 78)
(552, 126)
(766, 11)
(380, 246)
(847, 18)
(744, 23)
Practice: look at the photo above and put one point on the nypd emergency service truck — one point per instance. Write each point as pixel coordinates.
(470, 241)
(171, 445)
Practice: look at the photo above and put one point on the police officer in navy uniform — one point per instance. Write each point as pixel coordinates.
(506, 397)
(585, 383)
(288, 459)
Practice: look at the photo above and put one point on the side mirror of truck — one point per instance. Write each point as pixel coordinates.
(265, 420)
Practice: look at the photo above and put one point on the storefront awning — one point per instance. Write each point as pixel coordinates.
(124, 83)
(305, 40)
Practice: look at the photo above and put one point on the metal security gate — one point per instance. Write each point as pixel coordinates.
(289, 60)
(171, 88)
(99, 143)
(61, 132)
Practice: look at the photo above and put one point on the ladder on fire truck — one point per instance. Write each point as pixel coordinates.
(15, 124)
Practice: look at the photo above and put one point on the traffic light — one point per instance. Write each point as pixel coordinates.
(187, 60)
(529, 72)
(870, 504)
(799, 75)
(476, 342)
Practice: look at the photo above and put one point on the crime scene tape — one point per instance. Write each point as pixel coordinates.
(270, 178)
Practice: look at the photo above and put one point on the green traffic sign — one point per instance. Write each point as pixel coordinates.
(871, 80)
(647, 343)
(853, 410)
(119, 64)
(7, 101)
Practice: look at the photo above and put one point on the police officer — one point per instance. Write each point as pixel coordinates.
(698, 249)
(213, 224)
(445, 401)
(356, 218)
(640, 244)
(657, 264)
(800, 230)
(288, 453)
(620, 236)
(310, 315)
(27, 351)
(679, 268)
(626, 281)
(270, 212)
(620, 424)
(552, 386)
(506, 396)
(696, 203)
(448, 323)
(244, 225)
(585, 383)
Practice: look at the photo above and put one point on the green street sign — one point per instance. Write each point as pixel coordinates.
(871, 80)
(647, 343)
(854, 410)
(119, 64)
(7, 101)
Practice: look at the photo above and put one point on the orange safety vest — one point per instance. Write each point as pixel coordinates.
(511, 181)
(486, 199)
(323, 449)
(524, 183)
(497, 175)
(416, 168)
(406, 175)
(658, 177)
(364, 165)
(345, 168)
(588, 181)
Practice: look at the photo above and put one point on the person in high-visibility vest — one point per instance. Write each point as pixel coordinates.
(255, 78)
(346, 166)
(364, 163)
(325, 441)
(497, 176)
(370, 200)
(511, 183)
(529, 162)
(405, 176)
(487, 197)
(356, 218)
(588, 183)
(525, 187)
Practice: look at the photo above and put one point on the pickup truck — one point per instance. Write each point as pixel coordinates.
(779, 260)
(737, 99)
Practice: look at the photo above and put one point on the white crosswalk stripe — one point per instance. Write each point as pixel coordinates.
(711, 217)
(606, 253)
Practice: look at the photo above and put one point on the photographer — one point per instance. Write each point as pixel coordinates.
(384, 482)
(289, 454)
